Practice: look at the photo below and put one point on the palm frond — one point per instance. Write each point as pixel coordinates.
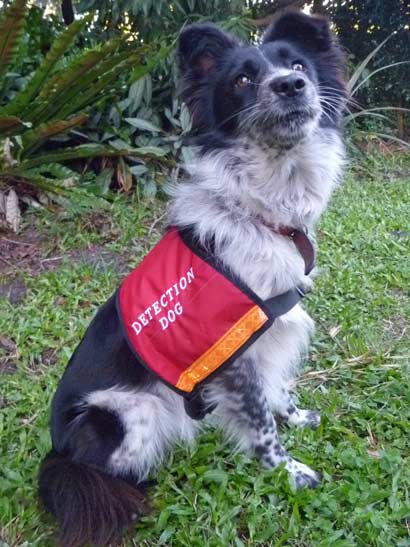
(11, 28)
(34, 138)
(11, 125)
(53, 95)
(357, 74)
(92, 94)
(59, 47)
(81, 151)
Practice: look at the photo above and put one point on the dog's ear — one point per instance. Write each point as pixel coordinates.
(309, 32)
(200, 46)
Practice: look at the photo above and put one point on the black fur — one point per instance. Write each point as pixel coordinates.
(90, 506)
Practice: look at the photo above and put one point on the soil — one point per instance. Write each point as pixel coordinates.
(31, 254)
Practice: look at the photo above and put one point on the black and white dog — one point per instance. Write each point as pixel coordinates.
(269, 154)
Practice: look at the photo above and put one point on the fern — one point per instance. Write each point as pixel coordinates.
(34, 138)
(55, 93)
(55, 99)
(81, 151)
(60, 46)
(11, 29)
(11, 125)
(100, 88)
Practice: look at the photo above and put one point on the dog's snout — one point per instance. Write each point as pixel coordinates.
(288, 86)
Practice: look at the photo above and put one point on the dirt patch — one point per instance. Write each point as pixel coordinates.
(7, 366)
(101, 223)
(8, 354)
(14, 291)
(48, 358)
(396, 327)
(26, 252)
(400, 295)
(101, 258)
(30, 253)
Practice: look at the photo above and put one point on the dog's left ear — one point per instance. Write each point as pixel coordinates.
(309, 32)
(201, 46)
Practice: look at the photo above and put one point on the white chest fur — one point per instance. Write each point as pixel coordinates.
(230, 191)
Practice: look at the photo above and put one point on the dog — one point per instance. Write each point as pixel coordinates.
(269, 152)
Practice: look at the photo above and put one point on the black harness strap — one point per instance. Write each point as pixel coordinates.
(196, 407)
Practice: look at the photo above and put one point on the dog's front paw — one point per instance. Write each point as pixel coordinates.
(305, 418)
(302, 475)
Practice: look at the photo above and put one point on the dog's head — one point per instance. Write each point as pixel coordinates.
(277, 92)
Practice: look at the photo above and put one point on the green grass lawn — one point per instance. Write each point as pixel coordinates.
(357, 376)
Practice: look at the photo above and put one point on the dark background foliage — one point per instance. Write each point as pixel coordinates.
(141, 109)
(361, 25)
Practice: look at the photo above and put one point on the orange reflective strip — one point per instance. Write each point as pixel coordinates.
(226, 346)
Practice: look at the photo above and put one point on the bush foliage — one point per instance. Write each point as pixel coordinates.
(93, 103)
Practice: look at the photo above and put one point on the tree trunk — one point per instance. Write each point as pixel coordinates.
(67, 11)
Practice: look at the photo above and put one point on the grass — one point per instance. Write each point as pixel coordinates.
(357, 376)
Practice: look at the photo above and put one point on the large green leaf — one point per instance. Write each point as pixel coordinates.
(11, 125)
(97, 80)
(11, 28)
(54, 94)
(99, 88)
(59, 47)
(34, 138)
(83, 151)
(142, 124)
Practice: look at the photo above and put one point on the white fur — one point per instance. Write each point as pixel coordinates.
(152, 420)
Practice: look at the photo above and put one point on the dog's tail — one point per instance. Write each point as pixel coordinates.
(90, 506)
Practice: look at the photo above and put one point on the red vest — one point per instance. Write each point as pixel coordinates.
(185, 318)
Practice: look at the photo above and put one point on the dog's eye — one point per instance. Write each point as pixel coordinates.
(242, 81)
(298, 66)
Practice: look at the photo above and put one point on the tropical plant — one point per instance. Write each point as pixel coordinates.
(361, 77)
(58, 98)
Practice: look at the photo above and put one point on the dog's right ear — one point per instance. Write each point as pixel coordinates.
(200, 46)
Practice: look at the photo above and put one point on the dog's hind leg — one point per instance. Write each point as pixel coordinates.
(114, 437)
(152, 421)
(244, 411)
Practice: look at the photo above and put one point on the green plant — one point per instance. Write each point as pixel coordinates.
(361, 77)
(57, 98)
(357, 377)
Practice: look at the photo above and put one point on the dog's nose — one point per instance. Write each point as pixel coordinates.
(288, 86)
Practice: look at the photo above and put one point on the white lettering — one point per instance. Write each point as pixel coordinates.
(159, 305)
(164, 322)
(190, 275)
(148, 312)
(143, 319)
